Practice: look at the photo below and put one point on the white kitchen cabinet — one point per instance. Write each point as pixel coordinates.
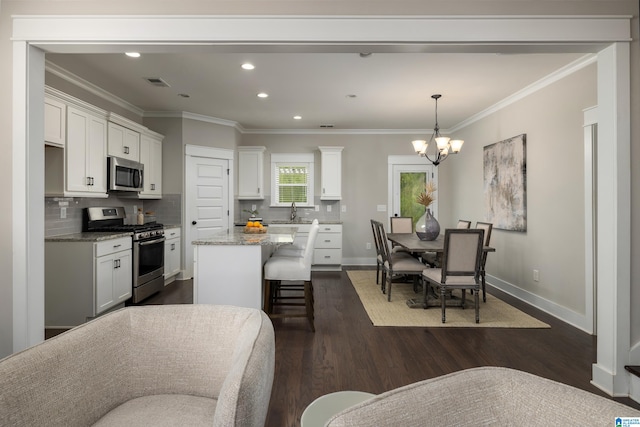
(113, 279)
(85, 154)
(151, 158)
(327, 252)
(171, 254)
(331, 173)
(328, 247)
(84, 278)
(55, 116)
(251, 173)
(123, 142)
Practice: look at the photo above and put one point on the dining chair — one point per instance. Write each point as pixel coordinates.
(282, 282)
(400, 224)
(397, 264)
(379, 257)
(460, 268)
(435, 260)
(463, 223)
(487, 227)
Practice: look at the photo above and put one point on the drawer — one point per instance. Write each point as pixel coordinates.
(330, 228)
(327, 256)
(112, 246)
(171, 233)
(329, 241)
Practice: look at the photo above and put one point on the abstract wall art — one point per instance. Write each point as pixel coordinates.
(505, 183)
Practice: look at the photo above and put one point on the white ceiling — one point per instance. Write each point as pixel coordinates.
(393, 90)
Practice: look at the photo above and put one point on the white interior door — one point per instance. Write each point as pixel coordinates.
(208, 190)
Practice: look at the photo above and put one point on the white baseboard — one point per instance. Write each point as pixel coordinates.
(563, 313)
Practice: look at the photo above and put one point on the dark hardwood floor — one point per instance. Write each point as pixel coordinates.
(348, 353)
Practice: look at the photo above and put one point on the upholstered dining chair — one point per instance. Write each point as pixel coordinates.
(282, 277)
(435, 260)
(487, 227)
(463, 223)
(400, 224)
(397, 264)
(379, 257)
(460, 268)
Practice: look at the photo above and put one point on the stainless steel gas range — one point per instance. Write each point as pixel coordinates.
(148, 247)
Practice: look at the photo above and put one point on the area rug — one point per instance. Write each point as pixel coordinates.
(494, 313)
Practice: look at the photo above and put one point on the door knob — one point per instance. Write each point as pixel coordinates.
(194, 222)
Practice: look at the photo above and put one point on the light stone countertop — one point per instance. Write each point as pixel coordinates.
(304, 221)
(88, 237)
(236, 236)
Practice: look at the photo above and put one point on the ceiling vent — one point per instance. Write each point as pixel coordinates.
(156, 81)
(326, 126)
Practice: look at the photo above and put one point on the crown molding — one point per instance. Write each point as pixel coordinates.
(194, 116)
(528, 90)
(90, 87)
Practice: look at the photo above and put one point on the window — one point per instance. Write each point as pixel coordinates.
(292, 179)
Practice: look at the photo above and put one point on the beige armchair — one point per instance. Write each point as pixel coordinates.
(146, 366)
(488, 396)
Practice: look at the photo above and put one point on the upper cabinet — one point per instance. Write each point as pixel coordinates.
(123, 138)
(55, 116)
(331, 173)
(250, 173)
(78, 139)
(85, 154)
(151, 158)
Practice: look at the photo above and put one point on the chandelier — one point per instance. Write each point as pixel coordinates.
(443, 144)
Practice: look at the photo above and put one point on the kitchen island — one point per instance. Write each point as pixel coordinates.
(227, 266)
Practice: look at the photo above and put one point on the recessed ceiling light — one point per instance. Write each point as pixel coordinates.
(133, 54)
(297, 117)
(248, 66)
(263, 95)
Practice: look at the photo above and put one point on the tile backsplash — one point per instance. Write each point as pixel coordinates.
(166, 210)
(267, 213)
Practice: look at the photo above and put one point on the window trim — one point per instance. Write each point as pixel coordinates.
(305, 158)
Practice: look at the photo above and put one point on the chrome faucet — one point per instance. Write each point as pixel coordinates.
(294, 211)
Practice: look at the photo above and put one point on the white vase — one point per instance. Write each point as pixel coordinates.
(427, 227)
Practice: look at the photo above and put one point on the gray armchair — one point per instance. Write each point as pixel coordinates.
(488, 396)
(146, 366)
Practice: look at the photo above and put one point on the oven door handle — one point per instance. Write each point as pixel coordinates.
(152, 242)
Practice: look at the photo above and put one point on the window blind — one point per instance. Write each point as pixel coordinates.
(292, 183)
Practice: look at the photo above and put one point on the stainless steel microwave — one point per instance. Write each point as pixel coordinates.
(124, 175)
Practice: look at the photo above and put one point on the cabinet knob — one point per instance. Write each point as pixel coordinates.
(194, 222)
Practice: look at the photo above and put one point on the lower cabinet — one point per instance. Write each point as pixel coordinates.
(328, 247)
(113, 279)
(327, 252)
(171, 254)
(85, 278)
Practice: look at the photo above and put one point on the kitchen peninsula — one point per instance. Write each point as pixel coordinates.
(227, 266)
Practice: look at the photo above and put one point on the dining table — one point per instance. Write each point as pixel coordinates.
(413, 244)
